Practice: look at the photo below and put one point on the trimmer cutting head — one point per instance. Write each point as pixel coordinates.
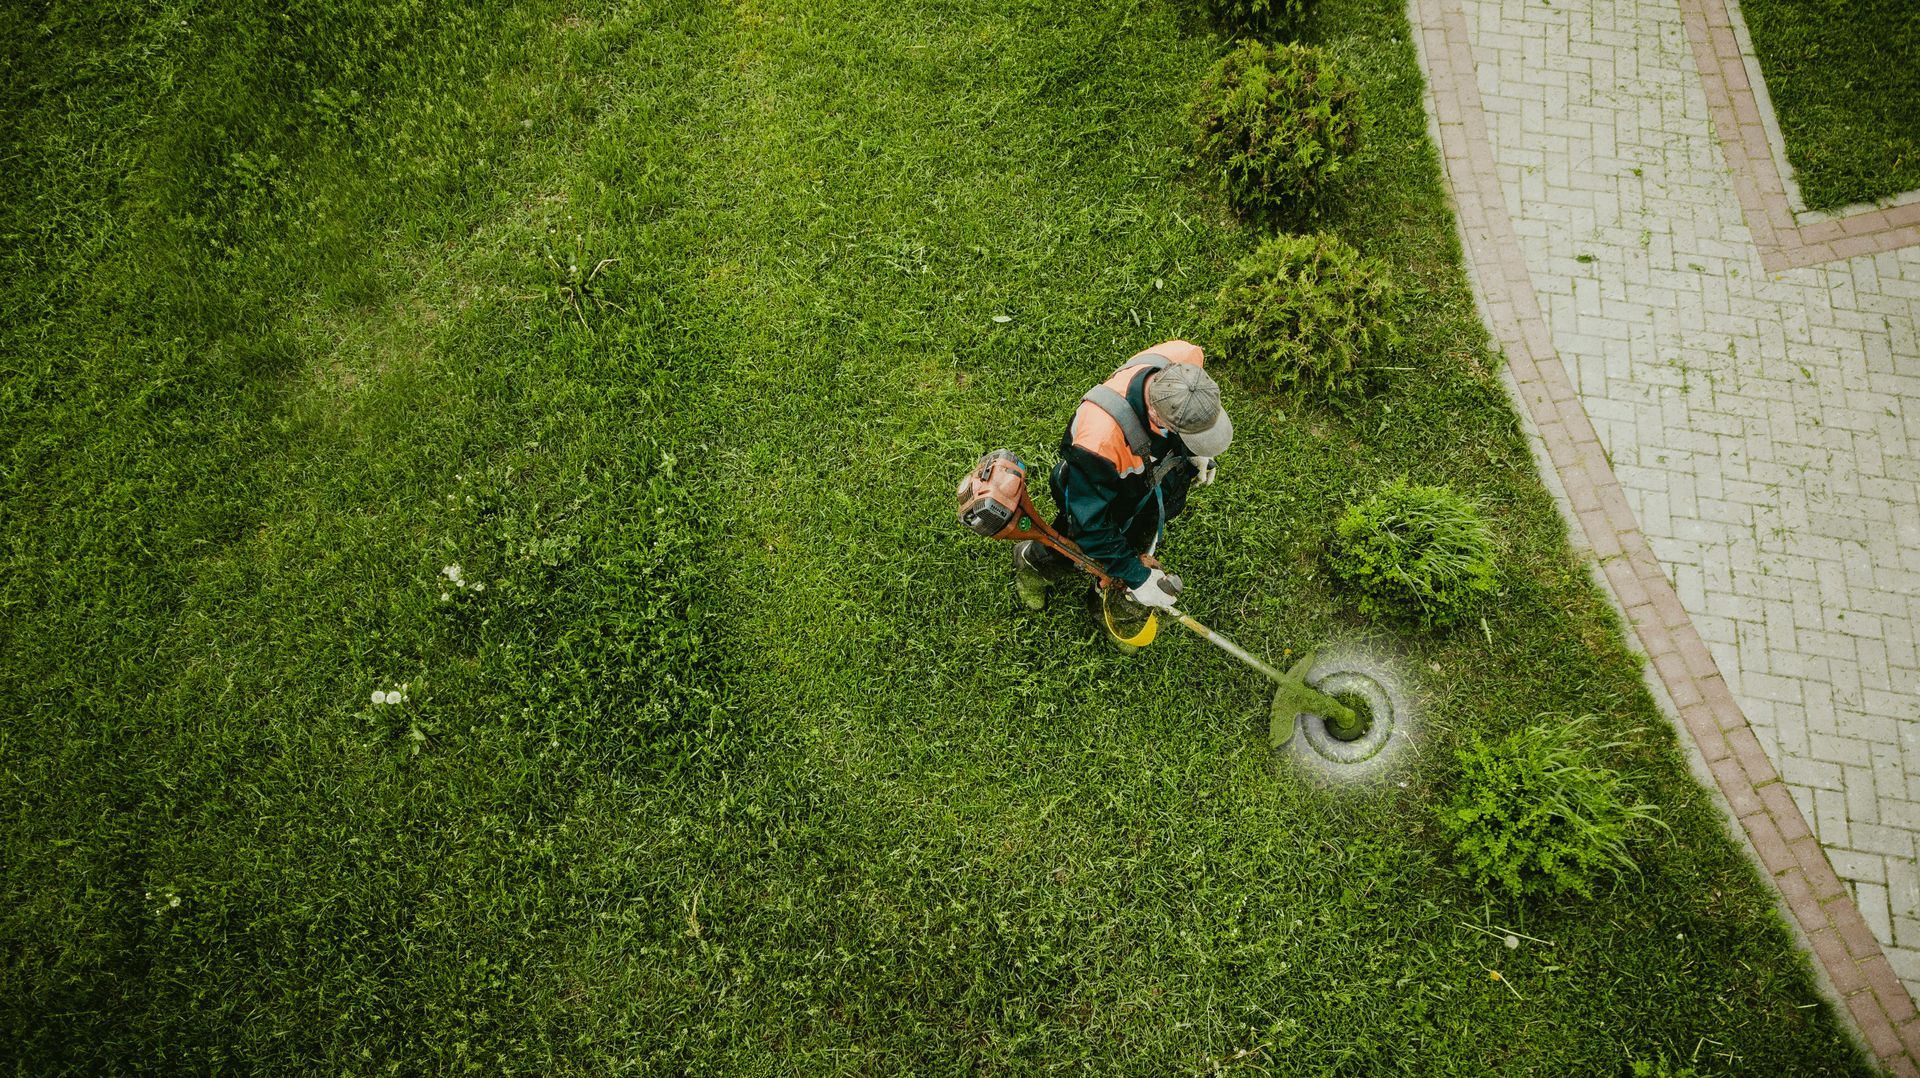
(1292, 697)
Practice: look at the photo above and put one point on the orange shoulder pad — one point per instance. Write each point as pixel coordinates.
(1096, 432)
(1178, 351)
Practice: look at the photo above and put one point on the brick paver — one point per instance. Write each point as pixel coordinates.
(1733, 419)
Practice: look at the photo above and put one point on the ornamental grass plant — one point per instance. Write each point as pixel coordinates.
(1414, 553)
(1538, 813)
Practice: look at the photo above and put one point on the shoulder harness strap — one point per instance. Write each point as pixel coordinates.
(1116, 406)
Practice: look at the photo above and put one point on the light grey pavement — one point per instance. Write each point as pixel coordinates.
(1757, 402)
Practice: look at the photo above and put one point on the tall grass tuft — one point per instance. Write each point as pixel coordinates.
(1536, 813)
(1414, 553)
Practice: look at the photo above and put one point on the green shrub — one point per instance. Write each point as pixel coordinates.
(1535, 814)
(1306, 314)
(1265, 18)
(1277, 125)
(1414, 552)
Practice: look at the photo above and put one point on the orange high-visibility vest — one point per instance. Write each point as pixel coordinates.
(1095, 430)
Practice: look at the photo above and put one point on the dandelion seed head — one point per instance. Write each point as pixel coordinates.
(381, 697)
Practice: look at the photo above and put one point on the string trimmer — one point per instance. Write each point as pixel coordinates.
(994, 503)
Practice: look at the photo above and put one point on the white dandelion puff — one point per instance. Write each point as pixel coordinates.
(379, 697)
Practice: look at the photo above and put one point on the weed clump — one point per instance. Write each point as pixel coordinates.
(1277, 125)
(1264, 18)
(1307, 315)
(1536, 814)
(1414, 552)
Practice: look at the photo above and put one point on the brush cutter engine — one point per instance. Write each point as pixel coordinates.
(993, 498)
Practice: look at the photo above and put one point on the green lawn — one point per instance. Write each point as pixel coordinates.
(673, 326)
(1844, 76)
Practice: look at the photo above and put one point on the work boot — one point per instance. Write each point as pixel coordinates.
(1028, 580)
(1119, 617)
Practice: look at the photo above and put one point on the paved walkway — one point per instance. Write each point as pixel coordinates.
(1731, 412)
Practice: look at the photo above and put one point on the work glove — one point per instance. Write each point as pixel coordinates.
(1160, 590)
(1204, 465)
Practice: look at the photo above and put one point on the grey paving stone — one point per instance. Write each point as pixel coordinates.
(1764, 424)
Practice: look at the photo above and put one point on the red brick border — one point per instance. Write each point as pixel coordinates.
(1783, 845)
(1784, 242)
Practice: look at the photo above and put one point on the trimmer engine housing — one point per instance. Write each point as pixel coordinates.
(993, 495)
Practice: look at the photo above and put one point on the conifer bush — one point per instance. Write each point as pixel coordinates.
(1417, 553)
(1277, 124)
(1535, 813)
(1307, 315)
(1265, 18)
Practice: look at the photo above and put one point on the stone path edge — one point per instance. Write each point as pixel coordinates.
(1793, 861)
(1784, 239)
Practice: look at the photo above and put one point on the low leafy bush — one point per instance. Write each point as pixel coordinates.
(1265, 18)
(1414, 552)
(1536, 814)
(1277, 125)
(1307, 314)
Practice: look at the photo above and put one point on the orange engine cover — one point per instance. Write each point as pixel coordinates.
(991, 495)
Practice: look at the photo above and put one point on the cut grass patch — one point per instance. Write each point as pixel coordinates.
(1844, 76)
(745, 759)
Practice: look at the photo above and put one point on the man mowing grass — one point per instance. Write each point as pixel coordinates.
(1136, 444)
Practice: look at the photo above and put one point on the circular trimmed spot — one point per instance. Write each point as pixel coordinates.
(1351, 687)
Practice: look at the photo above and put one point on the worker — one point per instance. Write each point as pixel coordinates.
(1135, 446)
